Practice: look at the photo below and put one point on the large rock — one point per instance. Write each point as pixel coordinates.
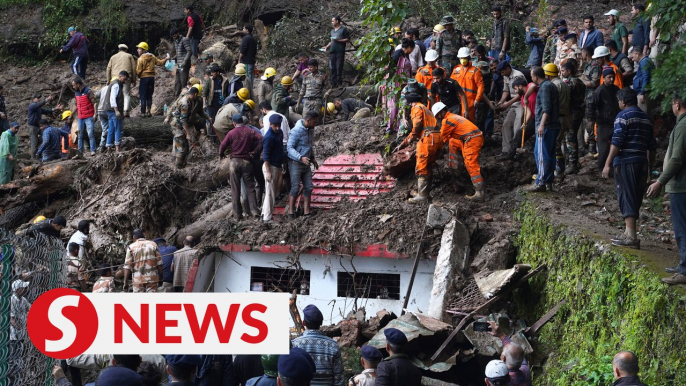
(498, 253)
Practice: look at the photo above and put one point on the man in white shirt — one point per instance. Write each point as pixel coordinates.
(266, 109)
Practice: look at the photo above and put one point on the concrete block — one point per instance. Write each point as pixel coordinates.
(451, 262)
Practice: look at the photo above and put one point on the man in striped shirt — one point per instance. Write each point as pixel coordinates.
(324, 350)
(632, 153)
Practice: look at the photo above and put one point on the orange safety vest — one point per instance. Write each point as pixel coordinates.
(425, 75)
(423, 121)
(472, 82)
(458, 127)
(619, 82)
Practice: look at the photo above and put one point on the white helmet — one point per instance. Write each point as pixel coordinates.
(600, 51)
(431, 56)
(463, 52)
(437, 107)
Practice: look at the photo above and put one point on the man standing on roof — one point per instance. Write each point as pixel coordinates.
(274, 158)
(448, 43)
(324, 350)
(79, 44)
(340, 36)
(501, 40)
(144, 263)
(425, 130)
(196, 29)
(145, 68)
(465, 141)
(123, 61)
(301, 155)
(472, 82)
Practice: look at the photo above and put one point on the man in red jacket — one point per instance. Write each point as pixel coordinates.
(85, 100)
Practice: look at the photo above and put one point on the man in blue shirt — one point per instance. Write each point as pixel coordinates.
(632, 153)
(272, 155)
(642, 77)
(591, 36)
(301, 155)
(51, 147)
(35, 112)
(537, 45)
(167, 253)
(547, 128)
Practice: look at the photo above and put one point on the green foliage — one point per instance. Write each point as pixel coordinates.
(668, 79)
(373, 49)
(613, 304)
(351, 361)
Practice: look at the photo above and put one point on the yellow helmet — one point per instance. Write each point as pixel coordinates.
(39, 219)
(269, 72)
(113, 79)
(286, 80)
(438, 28)
(330, 108)
(250, 104)
(550, 69)
(199, 87)
(66, 114)
(240, 70)
(193, 81)
(391, 42)
(243, 94)
(395, 30)
(144, 46)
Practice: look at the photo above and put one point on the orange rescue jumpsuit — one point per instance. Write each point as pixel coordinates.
(463, 136)
(425, 128)
(619, 82)
(425, 75)
(472, 82)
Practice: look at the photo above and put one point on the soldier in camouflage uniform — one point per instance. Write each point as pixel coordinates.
(550, 50)
(182, 127)
(591, 78)
(144, 262)
(312, 91)
(449, 42)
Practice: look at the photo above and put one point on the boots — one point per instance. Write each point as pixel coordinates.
(148, 113)
(479, 194)
(422, 191)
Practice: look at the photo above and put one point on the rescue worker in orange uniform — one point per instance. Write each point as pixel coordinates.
(464, 140)
(602, 55)
(425, 74)
(472, 82)
(425, 129)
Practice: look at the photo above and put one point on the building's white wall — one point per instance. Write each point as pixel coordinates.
(233, 275)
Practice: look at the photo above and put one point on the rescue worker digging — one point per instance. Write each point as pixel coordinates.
(462, 137)
(424, 129)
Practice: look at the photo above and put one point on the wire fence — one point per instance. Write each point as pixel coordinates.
(29, 266)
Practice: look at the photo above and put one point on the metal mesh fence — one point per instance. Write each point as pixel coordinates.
(29, 266)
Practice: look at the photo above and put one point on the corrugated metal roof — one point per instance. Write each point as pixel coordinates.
(349, 177)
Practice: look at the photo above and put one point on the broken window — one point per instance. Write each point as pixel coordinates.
(369, 285)
(268, 279)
